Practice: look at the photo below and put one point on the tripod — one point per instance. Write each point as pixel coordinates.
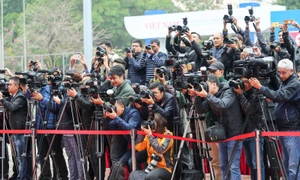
(203, 152)
(4, 153)
(274, 145)
(98, 115)
(78, 126)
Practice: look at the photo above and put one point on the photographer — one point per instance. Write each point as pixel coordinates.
(224, 104)
(286, 113)
(122, 118)
(122, 88)
(16, 107)
(252, 110)
(132, 58)
(111, 56)
(154, 59)
(46, 119)
(159, 151)
(86, 108)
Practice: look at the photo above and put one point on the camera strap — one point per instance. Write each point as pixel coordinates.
(234, 28)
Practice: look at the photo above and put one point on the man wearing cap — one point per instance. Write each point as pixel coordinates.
(216, 68)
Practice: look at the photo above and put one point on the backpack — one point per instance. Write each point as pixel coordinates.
(119, 171)
(138, 175)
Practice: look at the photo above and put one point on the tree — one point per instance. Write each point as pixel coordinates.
(290, 4)
(196, 5)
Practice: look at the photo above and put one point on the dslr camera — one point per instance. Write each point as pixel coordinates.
(229, 18)
(150, 123)
(163, 70)
(148, 47)
(129, 50)
(206, 53)
(236, 83)
(109, 107)
(198, 79)
(184, 28)
(250, 18)
(153, 164)
(100, 52)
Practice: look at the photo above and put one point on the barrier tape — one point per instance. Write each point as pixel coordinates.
(126, 132)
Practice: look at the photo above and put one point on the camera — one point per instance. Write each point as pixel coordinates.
(149, 123)
(154, 161)
(274, 44)
(162, 71)
(148, 47)
(100, 52)
(146, 94)
(173, 28)
(236, 83)
(129, 50)
(206, 53)
(258, 68)
(2, 71)
(33, 79)
(136, 98)
(109, 107)
(32, 65)
(250, 18)
(184, 28)
(4, 87)
(198, 79)
(228, 18)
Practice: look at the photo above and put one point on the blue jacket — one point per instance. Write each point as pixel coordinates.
(287, 98)
(49, 110)
(135, 73)
(153, 61)
(131, 118)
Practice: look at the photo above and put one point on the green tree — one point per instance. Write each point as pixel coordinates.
(196, 5)
(290, 4)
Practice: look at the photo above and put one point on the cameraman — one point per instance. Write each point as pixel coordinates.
(154, 59)
(46, 119)
(286, 113)
(132, 59)
(224, 103)
(252, 111)
(86, 108)
(122, 88)
(159, 147)
(122, 118)
(16, 107)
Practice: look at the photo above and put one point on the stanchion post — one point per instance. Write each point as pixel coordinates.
(132, 135)
(258, 158)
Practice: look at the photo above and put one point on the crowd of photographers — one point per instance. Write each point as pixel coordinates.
(229, 82)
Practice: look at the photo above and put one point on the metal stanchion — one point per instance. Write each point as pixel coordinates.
(258, 158)
(132, 135)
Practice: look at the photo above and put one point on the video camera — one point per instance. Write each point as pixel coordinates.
(229, 18)
(33, 79)
(32, 65)
(100, 52)
(4, 85)
(258, 68)
(250, 18)
(55, 78)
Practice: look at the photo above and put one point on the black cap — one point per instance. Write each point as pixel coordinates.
(216, 66)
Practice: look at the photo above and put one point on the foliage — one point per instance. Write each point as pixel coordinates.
(290, 4)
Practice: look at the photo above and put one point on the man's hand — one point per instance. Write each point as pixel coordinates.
(82, 59)
(213, 59)
(255, 83)
(162, 79)
(72, 62)
(189, 35)
(56, 99)
(128, 54)
(295, 24)
(285, 28)
(184, 68)
(256, 51)
(111, 115)
(8, 73)
(97, 101)
(238, 90)
(148, 131)
(202, 93)
(272, 28)
(1, 95)
(232, 46)
(191, 90)
(257, 23)
(36, 95)
(72, 92)
(149, 101)
(244, 55)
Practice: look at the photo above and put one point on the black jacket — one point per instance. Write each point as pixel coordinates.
(17, 110)
(287, 108)
(251, 107)
(224, 104)
(169, 109)
(86, 108)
